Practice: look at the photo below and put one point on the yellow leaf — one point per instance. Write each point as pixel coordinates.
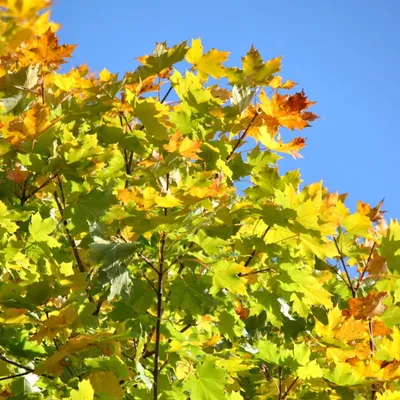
(85, 391)
(208, 64)
(293, 147)
(105, 75)
(357, 224)
(168, 201)
(15, 316)
(334, 319)
(106, 383)
(64, 82)
(185, 146)
(388, 395)
(47, 51)
(31, 126)
(276, 83)
(54, 364)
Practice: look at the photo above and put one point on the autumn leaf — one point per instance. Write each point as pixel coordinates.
(184, 146)
(286, 110)
(47, 51)
(209, 64)
(34, 123)
(368, 307)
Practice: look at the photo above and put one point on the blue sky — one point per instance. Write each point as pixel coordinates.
(344, 53)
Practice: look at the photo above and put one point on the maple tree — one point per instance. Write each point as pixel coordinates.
(133, 266)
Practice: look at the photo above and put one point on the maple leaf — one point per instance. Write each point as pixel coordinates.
(30, 126)
(286, 110)
(208, 64)
(242, 312)
(368, 307)
(293, 147)
(18, 174)
(47, 51)
(184, 146)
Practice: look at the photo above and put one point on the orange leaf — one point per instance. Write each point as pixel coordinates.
(18, 174)
(31, 126)
(240, 310)
(368, 307)
(47, 51)
(185, 146)
(286, 110)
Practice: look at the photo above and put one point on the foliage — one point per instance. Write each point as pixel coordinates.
(151, 248)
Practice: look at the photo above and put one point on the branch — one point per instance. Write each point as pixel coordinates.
(289, 389)
(161, 258)
(150, 282)
(350, 284)
(258, 271)
(41, 186)
(360, 278)
(15, 376)
(253, 253)
(241, 137)
(148, 262)
(166, 94)
(16, 364)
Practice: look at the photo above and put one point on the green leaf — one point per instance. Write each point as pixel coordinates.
(225, 276)
(40, 230)
(208, 382)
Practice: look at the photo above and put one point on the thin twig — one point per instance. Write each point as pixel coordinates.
(289, 388)
(166, 94)
(16, 364)
(350, 284)
(241, 137)
(280, 382)
(150, 282)
(253, 253)
(148, 262)
(15, 376)
(360, 278)
(258, 271)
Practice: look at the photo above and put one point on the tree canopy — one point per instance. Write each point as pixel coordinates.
(150, 247)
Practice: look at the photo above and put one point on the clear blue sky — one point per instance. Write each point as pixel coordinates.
(344, 53)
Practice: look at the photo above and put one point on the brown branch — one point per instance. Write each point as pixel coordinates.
(253, 253)
(349, 283)
(360, 278)
(241, 137)
(289, 388)
(161, 258)
(148, 262)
